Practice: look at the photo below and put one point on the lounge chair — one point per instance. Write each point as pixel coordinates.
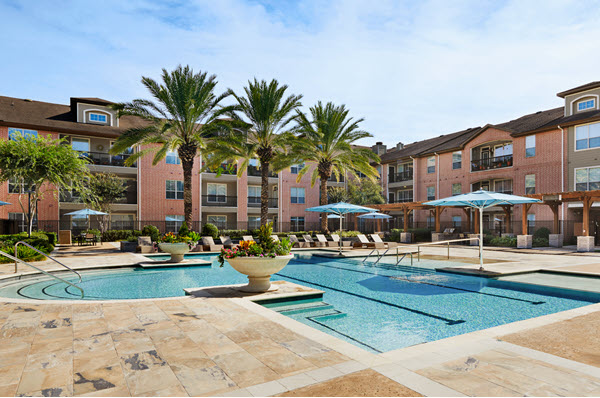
(248, 238)
(275, 238)
(296, 242)
(208, 244)
(328, 243)
(309, 241)
(363, 242)
(226, 241)
(377, 239)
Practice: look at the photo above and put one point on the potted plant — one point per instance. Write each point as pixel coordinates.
(176, 245)
(259, 260)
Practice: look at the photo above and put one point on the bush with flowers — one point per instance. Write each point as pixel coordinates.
(170, 237)
(266, 246)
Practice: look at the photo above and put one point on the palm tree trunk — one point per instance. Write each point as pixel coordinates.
(264, 192)
(188, 166)
(323, 182)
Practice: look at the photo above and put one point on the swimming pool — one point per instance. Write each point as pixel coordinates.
(379, 308)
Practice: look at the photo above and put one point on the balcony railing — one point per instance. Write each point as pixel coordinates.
(256, 172)
(403, 199)
(106, 159)
(129, 197)
(333, 179)
(497, 162)
(219, 200)
(254, 201)
(403, 176)
(225, 168)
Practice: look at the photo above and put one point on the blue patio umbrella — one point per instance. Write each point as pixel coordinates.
(482, 200)
(85, 213)
(4, 203)
(375, 216)
(340, 209)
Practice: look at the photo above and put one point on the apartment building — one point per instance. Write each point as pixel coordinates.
(154, 194)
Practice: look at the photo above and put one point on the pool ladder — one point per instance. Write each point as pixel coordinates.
(18, 260)
(399, 257)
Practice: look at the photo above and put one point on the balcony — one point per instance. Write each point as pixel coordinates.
(497, 162)
(219, 200)
(224, 168)
(129, 197)
(255, 171)
(333, 179)
(403, 198)
(254, 201)
(106, 159)
(406, 175)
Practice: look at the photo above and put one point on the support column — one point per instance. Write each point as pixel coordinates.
(438, 225)
(586, 243)
(525, 209)
(524, 241)
(587, 204)
(468, 214)
(508, 218)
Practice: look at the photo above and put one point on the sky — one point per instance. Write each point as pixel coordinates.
(412, 69)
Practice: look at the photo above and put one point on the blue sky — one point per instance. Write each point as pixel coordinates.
(413, 70)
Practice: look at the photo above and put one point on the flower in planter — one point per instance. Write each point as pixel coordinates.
(170, 237)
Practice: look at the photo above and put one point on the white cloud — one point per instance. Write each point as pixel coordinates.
(413, 70)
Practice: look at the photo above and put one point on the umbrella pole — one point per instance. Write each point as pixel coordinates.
(481, 239)
(340, 234)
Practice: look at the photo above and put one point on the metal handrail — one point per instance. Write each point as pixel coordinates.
(45, 255)
(403, 256)
(441, 242)
(369, 255)
(15, 259)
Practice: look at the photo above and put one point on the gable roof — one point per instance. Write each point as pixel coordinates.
(532, 121)
(583, 87)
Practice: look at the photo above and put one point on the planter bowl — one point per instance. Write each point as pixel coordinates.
(177, 250)
(259, 270)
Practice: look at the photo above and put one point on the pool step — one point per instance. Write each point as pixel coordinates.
(316, 308)
(295, 306)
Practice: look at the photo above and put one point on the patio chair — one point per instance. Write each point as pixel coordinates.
(363, 242)
(328, 243)
(377, 239)
(295, 242)
(226, 241)
(248, 238)
(91, 239)
(208, 244)
(145, 244)
(275, 238)
(309, 240)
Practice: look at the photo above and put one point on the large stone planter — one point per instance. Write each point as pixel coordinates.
(259, 270)
(177, 250)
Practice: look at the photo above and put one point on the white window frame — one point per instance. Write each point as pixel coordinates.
(170, 155)
(431, 159)
(218, 224)
(296, 221)
(588, 137)
(459, 153)
(217, 197)
(86, 112)
(534, 147)
(24, 132)
(427, 192)
(298, 167)
(588, 178)
(528, 175)
(297, 197)
(81, 139)
(452, 188)
(176, 189)
(179, 220)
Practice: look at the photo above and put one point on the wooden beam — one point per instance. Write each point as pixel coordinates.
(525, 208)
(508, 219)
(587, 203)
(554, 207)
(467, 211)
(406, 212)
(438, 213)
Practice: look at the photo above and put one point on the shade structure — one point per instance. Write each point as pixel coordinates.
(482, 200)
(86, 213)
(340, 209)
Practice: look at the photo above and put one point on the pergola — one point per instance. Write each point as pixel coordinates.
(553, 200)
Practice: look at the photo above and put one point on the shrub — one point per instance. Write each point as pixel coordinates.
(115, 235)
(209, 229)
(503, 241)
(542, 232)
(395, 234)
(25, 253)
(183, 230)
(540, 242)
(349, 234)
(420, 234)
(152, 231)
(236, 233)
(52, 238)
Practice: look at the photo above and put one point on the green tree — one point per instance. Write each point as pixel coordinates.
(42, 165)
(328, 139)
(265, 137)
(365, 191)
(337, 194)
(184, 112)
(103, 190)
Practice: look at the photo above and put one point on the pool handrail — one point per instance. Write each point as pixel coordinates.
(442, 242)
(45, 255)
(15, 259)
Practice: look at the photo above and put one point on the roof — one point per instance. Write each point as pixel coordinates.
(94, 100)
(55, 117)
(583, 87)
(532, 121)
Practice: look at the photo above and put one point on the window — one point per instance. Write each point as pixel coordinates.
(587, 179)
(430, 222)
(97, 117)
(431, 165)
(216, 193)
(297, 195)
(173, 158)
(295, 169)
(297, 224)
(18, 186)
(456, 189)
(121, 221)
(587, 104)
(81, 145)
(254, 194)
(456, 160)
(530, 184)
(530, 221)
(431, 193)
(25, 133)
(174, 189)
(218, 221)
(253, 222)
(503, 186)
(587, 136)
(173, 223)
(456, 221)
(529, 146)
(391, 197)
(21, 221)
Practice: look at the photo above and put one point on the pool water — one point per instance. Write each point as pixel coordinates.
(379, 308)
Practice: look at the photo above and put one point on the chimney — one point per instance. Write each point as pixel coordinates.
(379, 148)
(399, 146)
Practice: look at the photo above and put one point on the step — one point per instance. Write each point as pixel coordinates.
(304, 310)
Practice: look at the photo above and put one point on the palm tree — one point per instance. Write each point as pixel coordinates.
(184, 112)
(327, 140)
(267, 112)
